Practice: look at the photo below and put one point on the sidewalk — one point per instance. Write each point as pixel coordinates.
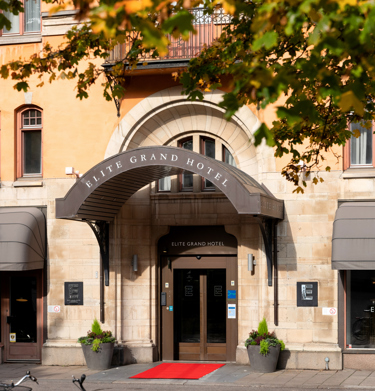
(229, 375)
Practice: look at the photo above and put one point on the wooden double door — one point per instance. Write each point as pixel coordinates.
(198, 321)
(21, 315)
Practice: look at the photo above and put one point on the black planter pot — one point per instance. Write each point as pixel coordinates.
(260, 363)
(101, 359)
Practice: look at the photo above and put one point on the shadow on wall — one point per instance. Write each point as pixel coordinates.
(283, 359)
(122, 355)
(286, 249)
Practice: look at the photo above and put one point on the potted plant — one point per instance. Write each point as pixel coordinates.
(97, 347)
(263, 348)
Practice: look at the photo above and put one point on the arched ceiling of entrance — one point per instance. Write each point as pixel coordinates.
(101, 192)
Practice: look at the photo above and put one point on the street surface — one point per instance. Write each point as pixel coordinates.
(229, 377)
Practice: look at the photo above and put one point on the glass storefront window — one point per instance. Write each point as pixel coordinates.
(360, 309)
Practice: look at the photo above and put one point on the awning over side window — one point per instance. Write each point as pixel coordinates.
(353, 237)
(22, 239)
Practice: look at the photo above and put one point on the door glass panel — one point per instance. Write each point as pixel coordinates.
(216, 306)
(22, 319)
(187, 309)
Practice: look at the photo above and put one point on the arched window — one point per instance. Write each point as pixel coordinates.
(228, 157)
(29, 142)
(208, 146)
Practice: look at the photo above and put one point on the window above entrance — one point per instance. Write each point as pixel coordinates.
(208, 146)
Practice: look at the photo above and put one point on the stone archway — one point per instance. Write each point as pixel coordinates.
(164, 116)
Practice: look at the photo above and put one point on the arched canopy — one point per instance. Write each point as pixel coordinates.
(101, 192)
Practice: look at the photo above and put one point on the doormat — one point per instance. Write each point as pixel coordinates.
(178, 371)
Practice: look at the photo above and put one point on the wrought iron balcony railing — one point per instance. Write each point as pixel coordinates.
(208, 28)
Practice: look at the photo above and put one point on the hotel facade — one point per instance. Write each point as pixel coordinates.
(170, 227)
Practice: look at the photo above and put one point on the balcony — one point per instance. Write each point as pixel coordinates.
(208, 28)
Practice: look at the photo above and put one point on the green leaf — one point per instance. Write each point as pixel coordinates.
(179, 23)
(349, 101)
(268, 40)
(261, 133)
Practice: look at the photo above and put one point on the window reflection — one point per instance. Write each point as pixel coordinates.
(360, 309)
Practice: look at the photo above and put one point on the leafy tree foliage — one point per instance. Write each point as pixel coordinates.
(315, 57)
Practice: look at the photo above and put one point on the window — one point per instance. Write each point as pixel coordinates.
(207, 149)
(360, 309)
(210, 147)
(186, 183)
(359, 151)
(228, 157)
(29, 143)
(27, 22)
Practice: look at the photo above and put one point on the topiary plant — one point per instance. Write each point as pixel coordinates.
(263, 328)
(95, 328)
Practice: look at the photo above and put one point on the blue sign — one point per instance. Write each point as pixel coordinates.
(232, 294)
(171, 308)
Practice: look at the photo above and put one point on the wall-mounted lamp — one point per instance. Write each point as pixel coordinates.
(169, 263)
(165, 250)
(250, 262)
(135, 263)
(71, 171)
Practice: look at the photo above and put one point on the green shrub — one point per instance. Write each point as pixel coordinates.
(263, 328)
(95, 328)
(95, 345)
(264, 347)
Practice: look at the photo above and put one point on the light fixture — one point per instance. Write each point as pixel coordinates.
(135, 263)
(22, 300)
(250, 262)
(169, 263)
(71, 171)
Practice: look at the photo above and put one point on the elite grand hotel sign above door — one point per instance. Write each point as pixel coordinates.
(138, 159)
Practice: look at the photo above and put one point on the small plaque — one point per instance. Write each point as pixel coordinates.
(73, 293)
(232, 294)
(54, 308)
(12, 337)
(307, 294)
(329, 311)
(232, 283)
(231, 311)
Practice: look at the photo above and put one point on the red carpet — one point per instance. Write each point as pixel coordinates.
(178, 371)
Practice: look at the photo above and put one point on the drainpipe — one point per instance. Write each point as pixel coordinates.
(275, 277)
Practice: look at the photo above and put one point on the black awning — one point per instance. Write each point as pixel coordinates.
(353, 237)
(22, 239)
(102, 191)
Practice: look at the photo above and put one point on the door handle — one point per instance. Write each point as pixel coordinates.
(163, 299)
